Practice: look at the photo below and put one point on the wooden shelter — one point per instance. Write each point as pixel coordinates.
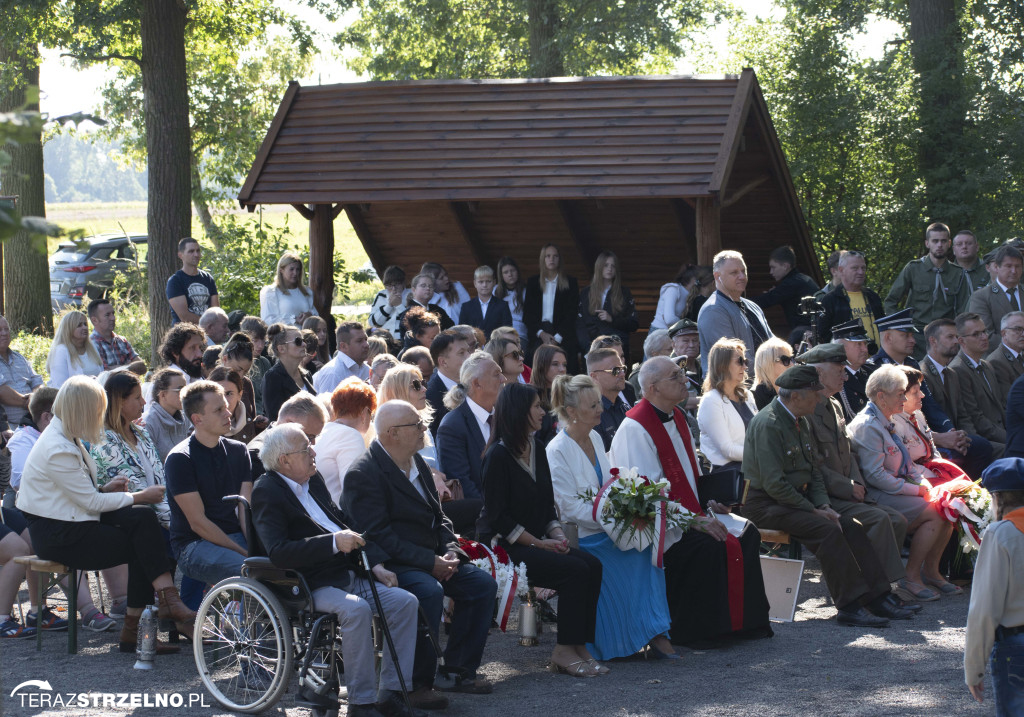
(661, 170)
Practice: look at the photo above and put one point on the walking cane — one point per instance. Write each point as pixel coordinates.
(384, 626)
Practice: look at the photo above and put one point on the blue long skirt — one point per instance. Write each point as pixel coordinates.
(632, 607)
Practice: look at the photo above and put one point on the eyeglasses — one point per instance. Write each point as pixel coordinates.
(419, 424)
(975, 335)
(517, 355)
(304, 450)
(614, 370)
(784, 360)
(1015, 329)
(418, 384)
(674, 376)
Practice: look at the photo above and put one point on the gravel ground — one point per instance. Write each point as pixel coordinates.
(811, 667)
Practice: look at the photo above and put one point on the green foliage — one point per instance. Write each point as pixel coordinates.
(35, 348)
(85, 167)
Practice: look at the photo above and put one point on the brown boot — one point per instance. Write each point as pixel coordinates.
(171, 607)
(130, 636)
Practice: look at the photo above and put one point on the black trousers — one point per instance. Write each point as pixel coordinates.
(127, 535)
(576, 576)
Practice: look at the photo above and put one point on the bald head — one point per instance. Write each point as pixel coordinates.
(654, 369)
(400, 430)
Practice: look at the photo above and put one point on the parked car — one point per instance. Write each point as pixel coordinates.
(88, 267)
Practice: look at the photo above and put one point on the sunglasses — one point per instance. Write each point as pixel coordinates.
(614, 370)
(742, 360)
(517, 355)
(784, 360)
(418, 384)
(297, 341)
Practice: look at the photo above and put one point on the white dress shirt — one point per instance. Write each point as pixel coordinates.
(481, 416)
(314, 511)
(547, 312)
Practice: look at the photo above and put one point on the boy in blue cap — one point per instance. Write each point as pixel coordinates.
(995, 621)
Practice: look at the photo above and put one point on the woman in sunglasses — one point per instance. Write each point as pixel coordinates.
(772, 358)
(509, 357)
(727, 406)
(287, 377)
(345, 438)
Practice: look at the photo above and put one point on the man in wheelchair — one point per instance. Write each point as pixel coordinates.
(389, 494)
(303, 530)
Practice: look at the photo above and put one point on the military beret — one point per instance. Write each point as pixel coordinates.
(797, 378)
(823, 353)
(1004, 474)
(682, 326)
(900, 321)
(852, 330)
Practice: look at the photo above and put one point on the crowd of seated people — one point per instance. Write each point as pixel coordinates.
(490, 416)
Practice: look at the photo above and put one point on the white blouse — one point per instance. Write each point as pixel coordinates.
(337, 448)
(61, 367)
(284, 305)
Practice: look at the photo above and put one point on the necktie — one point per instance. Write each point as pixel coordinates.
(979, 369)
(1014, 304)
(940, 288)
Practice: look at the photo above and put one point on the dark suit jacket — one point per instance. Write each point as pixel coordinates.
(979, 395)
(1008, 369)
(278, 387)
(435, 398)
(563, 321)
(460, 450)
(945, 389)
(589, 326)
(385, 506)
(498, 314)
(991, 303)
(1015, 421)
(514, 498)
(294, 540)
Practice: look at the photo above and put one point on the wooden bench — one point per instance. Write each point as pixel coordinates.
(54, 571)
(773, 540)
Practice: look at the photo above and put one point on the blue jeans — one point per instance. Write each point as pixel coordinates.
(474, 593)
(209, 563)
(1007, 663)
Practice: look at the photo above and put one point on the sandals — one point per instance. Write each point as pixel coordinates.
(580, 668)
(944, 586)
(906, 592)
(598, 667)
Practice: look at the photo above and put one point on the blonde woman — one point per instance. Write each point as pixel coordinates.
(550, 303)
(727, 406)
(287, 300)
(772, 358)
(72, 353)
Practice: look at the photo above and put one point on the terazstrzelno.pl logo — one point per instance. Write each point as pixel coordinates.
(43, 696)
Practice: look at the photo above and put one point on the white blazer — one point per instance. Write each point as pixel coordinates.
(59, 480)
(572, 473)
(722, 432)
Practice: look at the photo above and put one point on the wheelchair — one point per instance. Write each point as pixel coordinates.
(254, 632)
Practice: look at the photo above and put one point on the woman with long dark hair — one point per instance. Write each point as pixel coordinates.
(520, 505)
(511, 288)
(549, 362)
(700, 288)
(550, 303)
(606, 306)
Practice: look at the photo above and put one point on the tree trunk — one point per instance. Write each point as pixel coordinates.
(545, 24)
(936, 46)
(26, 272)
(168, 149)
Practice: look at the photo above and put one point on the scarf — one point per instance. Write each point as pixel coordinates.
(1017, 518)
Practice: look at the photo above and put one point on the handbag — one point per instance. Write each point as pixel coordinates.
(725, 485)
(454, 486)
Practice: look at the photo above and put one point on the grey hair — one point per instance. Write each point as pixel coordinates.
(471, 370)
(1005, 321)
(211, 315)
(651, 370)
(656, 340)
(279, 440)
(390, 359)
(724, 256)
(302, 405)
(846, 256)
(886, 378)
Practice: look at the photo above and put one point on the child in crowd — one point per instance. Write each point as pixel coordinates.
(485, 312)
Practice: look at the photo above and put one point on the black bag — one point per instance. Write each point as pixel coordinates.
(725, 485)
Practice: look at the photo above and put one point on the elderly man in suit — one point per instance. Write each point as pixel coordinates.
(1002, 296)
(981, 401)
(726, 314)
(1006, 359)
(1015, 421)
(390, 494)
(303, 530)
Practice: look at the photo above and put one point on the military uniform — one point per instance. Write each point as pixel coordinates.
(916, 288)
(982, 403)
(786, 486)
(970, 281)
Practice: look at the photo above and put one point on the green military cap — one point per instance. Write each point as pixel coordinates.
(797, 378)
(823, 353)
(682, 326)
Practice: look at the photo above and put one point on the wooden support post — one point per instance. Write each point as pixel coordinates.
(709, 229)
(321, 257)
(462, 213)
(578, 231)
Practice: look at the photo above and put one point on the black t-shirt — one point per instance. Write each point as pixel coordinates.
(214, 473)
(197, 290)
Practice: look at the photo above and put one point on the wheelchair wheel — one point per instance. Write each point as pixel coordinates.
(243, 645)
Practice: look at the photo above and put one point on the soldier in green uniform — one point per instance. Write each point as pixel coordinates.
(787, 492)
(886, 527)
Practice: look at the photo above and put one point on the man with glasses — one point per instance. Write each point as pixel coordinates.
(983, 403)
(854, 340)
(713, 580)
(1002, 296)
(388, 305)
(927, 285)
(851, 300)
(605, 366)
(390, 495)
(1006, 359)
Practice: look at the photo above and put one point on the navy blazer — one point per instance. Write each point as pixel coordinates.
(385, 506)
(295, 541)
(460, 450)
(435, 399)
(1015, 420)
(498, 315)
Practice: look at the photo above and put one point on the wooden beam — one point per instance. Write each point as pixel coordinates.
(268, 143)
(321, 258)
(745, 189)
(709, 229)
(356, 217)
(732, 136)
(462, 214)
(304, 211)
(578, 231)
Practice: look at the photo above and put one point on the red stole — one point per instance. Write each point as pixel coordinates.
(644, 414)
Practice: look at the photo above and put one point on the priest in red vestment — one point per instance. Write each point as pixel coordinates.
(713, 579)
